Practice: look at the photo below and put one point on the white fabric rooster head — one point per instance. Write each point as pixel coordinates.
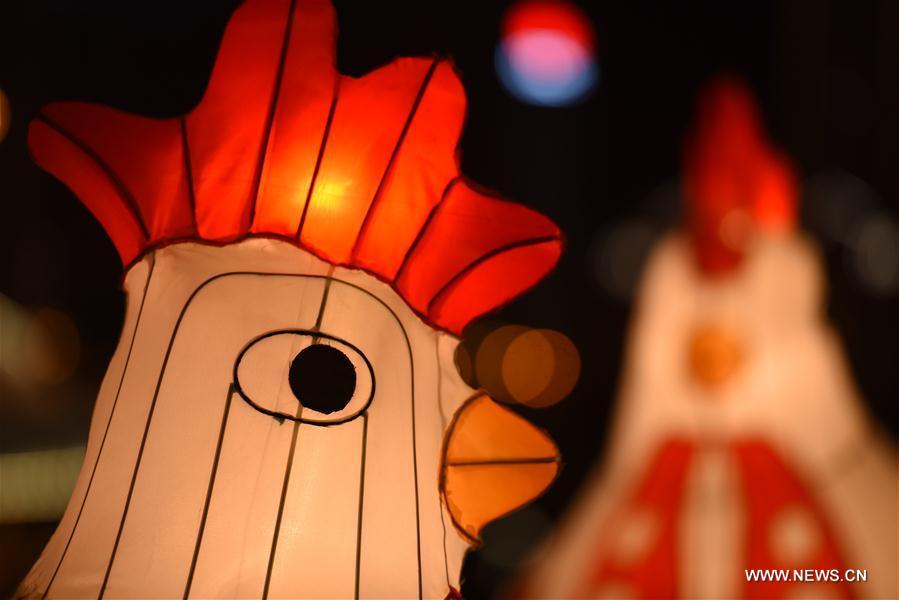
(282, 417)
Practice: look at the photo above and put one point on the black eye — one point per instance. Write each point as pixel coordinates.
(306, 376)
(322, 378)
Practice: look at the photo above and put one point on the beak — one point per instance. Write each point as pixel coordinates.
(493, 462)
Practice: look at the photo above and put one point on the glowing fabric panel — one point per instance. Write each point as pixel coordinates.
(494, 462)
(205, 476)
(196, 492)
(360, 152)
(355, 170)
(735, 183)
(210, 472)
(775, 466)
(112, 205)
(430, 272)
(228, 131)
(306, 94)
(422, 170)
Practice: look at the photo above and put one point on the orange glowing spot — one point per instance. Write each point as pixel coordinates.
(489, 361)
(540, 368)
(715, 354)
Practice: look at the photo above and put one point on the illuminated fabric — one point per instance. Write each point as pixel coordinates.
(523, 461)
(754, 453)
(771, 493)
(279, 418)
(361, 172)
(734, 182)
(776, 467)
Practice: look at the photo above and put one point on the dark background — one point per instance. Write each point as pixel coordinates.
(826, 77)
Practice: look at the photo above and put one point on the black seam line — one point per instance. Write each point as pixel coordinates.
(189, 173)
(444, 448)
(105, 431)
(171, 343)
(140, 455)
(366, 221)
(415, 476)
(503, 461)
(361, 502)
(285, 482)
(424, 227)
(443, 422)
(270, 117)
(284, 485)
(484, 258)
(443, 428)
(321, 156)
(121, 188)
(321, 307)
(212, 476)
(443, 526)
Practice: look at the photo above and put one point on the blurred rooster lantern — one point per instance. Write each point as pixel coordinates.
(740, 441)
(282, 417)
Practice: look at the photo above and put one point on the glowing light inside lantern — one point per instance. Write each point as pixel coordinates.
(296, 415)
(540, 368)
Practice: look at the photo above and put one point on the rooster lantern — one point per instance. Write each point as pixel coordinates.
(740, 443)
(282, 417)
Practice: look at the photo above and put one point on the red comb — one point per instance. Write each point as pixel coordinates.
(734, 183)
(361, 172)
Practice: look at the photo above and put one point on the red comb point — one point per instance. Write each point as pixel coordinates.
(361, 172)
(734, 183)
(774, 205)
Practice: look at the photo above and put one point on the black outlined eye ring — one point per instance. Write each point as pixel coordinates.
(305, 376)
